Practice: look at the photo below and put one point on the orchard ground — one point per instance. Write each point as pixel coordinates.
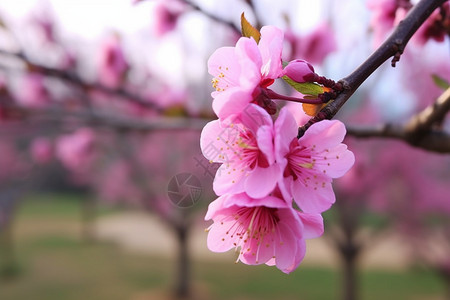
(133, 258)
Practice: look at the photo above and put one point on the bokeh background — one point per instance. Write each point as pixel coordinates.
(103, 187)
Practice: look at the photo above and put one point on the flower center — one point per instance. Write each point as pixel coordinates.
(222, 81)
(253, 228)
(300, 161)
(249, 151)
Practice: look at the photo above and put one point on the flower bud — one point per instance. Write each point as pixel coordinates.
(300, 71)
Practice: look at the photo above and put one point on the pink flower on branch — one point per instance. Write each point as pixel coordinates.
(112, 63)
(242, 73)
(244, 146)
(267, 230)
(77, 150)
(311, 162)
(386, 15)
(264, 165)
(166, 15)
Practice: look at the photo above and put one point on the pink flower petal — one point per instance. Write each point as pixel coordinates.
(270, 46)
(210, 142)
(218, 239)
(285, 132)
(312, 225)
(254, 117)
(249, 59)
(323, 135)
(262, 181)
(223, 65)
(229, 180)
(244, 200)
(314, 196)
(285, 248)
(262, 250)
(335, 162)
(232, 101)
(299, 255)
(265, 142)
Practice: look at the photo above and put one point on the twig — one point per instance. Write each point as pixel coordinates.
(433, 114)
(75, 79)
(392, 47)
(419, 131)
(101, 119)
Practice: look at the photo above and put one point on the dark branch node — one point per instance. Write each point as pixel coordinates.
(398, 47)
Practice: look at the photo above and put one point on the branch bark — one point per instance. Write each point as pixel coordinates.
(77, 80)
(102, 119)
(422, 130)
(392, 47)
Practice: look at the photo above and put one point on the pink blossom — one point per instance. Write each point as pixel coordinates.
(165, 16)
(242, 73)
(434, 26)
(32, 91)
(300, 70)
(244, 146)
(267, 230)
(42, 150)
(310, 163)
(117, 184)
(76, 150)
(386, 14)
(315, 46)
(112, 63)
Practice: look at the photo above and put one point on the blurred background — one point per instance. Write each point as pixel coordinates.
(103, 187)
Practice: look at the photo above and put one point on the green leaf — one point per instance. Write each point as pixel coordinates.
(248, 30)
(306, 88)
(440, 82)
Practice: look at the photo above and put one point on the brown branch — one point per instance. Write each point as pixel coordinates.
(78, 81)
(435, 141)
(432, 115)
(101, 119)
(392, 47)
(419, 131)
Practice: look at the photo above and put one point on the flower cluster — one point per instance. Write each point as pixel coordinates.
(272, 186)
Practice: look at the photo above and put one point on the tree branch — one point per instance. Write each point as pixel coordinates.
(419, 131)
(432, 115)
(78, 81)
(392, 47)
(101, 119)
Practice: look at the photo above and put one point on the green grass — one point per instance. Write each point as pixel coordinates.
(58, 206)
(55, 263)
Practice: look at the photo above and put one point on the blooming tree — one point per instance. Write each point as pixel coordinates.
(273, 164)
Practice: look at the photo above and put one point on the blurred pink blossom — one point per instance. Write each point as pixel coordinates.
(434, 28)
(385, 15)
(112, 64)
(32, 91)
(314, 46)
(165, 16)
(41, 150)
(76, 150)
(117, 185)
